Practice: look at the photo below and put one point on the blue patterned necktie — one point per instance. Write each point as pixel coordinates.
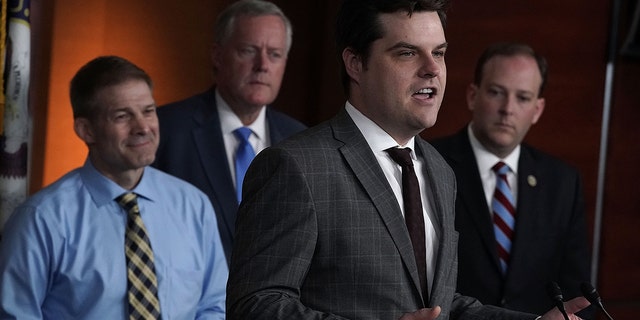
(503, 206)
(244, 155)
(142, 283)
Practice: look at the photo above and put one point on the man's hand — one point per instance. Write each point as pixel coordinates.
(422, 314)
(572, 306)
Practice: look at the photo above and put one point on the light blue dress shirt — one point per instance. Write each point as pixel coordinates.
(62, 252)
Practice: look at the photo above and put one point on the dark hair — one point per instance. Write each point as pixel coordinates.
(358, 24)
(510, 49)
(253, 8)
(97, 74)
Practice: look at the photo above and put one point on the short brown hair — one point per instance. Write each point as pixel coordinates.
(97, 74)
(510, 49)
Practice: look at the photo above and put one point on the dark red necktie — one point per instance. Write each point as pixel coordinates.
(413, 214)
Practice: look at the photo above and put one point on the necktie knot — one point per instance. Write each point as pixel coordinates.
(401, 156)
(242, 134)
(500, 168)
(128, 201)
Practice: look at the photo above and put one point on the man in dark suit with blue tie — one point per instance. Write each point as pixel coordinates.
(200, 135)
(546, 231)
(325, 229)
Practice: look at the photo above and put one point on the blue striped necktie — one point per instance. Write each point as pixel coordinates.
(504, 210)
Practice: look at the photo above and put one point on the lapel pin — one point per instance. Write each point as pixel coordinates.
(532, 180)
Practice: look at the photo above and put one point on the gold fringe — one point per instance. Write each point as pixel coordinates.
(3, 60)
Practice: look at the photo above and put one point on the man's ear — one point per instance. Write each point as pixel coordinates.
(472, 91)
(84, 130)
(352, 63)
(215, 52)
(540, 103)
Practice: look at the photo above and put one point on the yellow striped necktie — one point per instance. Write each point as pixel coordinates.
(142, 283)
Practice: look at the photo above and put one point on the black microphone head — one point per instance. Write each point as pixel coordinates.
(590, 293)
(553, 289)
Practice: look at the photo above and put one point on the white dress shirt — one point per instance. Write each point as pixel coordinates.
(486, 160)
(379, 141)
(229, 122)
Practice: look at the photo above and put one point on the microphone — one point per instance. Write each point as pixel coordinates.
(592, 295)
(556, 295)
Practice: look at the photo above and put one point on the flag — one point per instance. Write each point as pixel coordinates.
(16, 125)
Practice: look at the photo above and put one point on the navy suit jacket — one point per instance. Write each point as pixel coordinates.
(550, 234)
(192, 148)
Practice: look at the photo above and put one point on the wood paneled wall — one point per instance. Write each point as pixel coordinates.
(170, 39)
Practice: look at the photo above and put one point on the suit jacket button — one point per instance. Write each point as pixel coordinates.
(503, 302)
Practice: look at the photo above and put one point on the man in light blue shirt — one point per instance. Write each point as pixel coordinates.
(63, 252)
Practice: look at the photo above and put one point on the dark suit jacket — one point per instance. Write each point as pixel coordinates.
(550, 241)
(192, 148)
(320, 234)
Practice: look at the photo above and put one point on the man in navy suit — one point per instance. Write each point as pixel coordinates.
(252, 40)
(549, 241)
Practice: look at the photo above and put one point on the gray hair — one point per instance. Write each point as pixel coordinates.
(224, 26)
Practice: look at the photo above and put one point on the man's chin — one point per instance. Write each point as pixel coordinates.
(502, 143)
(260, 98)
(143, 161)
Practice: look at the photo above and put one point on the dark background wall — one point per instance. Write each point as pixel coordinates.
(170, 39)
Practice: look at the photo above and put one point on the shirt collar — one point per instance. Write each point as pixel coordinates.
(103, 190)
(229, 121)
(486, 160)
(378, 139)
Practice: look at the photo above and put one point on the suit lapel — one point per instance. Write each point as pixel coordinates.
(471, 193)
(441, 190)
(362, 161)
(526, 216)
(275, 131)
(439, 211)
(210, 144)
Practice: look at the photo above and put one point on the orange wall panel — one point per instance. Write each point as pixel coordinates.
(169, 39)
(77, 37)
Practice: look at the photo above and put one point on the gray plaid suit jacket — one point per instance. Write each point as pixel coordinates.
(320, 235)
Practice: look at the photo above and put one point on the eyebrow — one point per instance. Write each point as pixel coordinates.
(518, 91)
(127, 108)
(406, 45)
(260, 46)
(443, 45)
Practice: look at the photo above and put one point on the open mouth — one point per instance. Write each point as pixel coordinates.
(428, 92)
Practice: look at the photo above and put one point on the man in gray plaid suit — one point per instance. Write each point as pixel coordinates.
(321, 232)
